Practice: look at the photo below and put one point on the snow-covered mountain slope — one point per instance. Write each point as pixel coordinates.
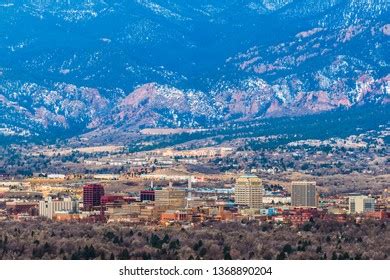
(78, 65)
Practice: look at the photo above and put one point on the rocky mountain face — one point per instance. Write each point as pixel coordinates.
(67, 67)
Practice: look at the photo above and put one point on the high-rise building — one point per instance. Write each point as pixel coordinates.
(249, 191)
(48, 207)
(147, 195)
(361, 204)
(304, 194)
(189, 192)
(171, 198)
(92, 195)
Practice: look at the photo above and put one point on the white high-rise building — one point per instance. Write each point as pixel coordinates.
(249, 191)
(48, 207)
(361, 204)
(189, 192)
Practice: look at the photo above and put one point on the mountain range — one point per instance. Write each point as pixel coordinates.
(75, 66)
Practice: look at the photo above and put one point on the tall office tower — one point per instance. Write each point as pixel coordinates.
(249, 191)
(361, 204)
(147, 195)
(189, 192)
(170, 198)
(304, 194)
(92, 195)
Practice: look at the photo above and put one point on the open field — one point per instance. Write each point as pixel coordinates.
(66, 151)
